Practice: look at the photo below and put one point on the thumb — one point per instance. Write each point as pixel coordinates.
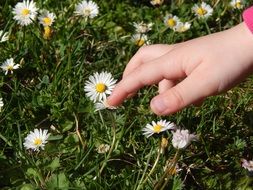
(192, 89)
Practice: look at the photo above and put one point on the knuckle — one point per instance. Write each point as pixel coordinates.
(140, 74)
(178, 99)
(142, 50)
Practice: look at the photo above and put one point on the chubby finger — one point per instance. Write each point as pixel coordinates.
(164, 85)
(191, 90)
(146, 54)
(165, 67)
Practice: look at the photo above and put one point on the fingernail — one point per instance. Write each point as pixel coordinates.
(159, 105)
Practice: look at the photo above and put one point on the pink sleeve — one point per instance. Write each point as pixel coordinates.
(248, 18)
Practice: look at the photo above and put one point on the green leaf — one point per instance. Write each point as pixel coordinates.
(67, 126)
(32, 173)
(55, 137)
(27, 187)
(58, 181)
(45, 79)
(54, 164)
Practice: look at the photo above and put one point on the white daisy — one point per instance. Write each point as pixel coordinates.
(36, 139)
(156, 2)
(202, 11)
(142, 27)
(25, 12)
(247, 164)
(46, 18)
(171, 21)
(157, 127)
(182, 138)
(99, 85)
(1, 104)
(87, 9)
(237, 4)
(4, 36)
(182, 27)
(140, 39)
(103, 148)
(9, 65)
(101, 105)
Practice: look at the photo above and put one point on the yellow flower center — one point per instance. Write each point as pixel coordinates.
(139, 42)
(157, 2)
(100, 87)
(86, 12)
(37, 141)
(10, 67)
(201, 11)
(157, 128)
(47, 32)
(25, 12)
(47, 20)
(171, 22)
(238, 5)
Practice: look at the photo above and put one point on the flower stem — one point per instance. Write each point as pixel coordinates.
(141, 180)
(207, 27)
(168, 172)
(151, 171)
(112, 144)
(77, 131)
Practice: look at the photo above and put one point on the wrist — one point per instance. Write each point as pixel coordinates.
(247, 44)
(241, 40)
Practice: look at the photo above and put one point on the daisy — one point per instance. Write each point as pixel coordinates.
(182, 138)
(140, 39)
(101, 105)
(156, 2)
(171, 21)
(1, 104)
(202, 11)
(9, 65)
(87, 9)
(142, 27)
(182, 27)
(236, 4)
(103, 148)
(157, 127)
(46, 18)
(25, 12)
(36, 139)
(4, 36)
(247, 164)
(99, 85)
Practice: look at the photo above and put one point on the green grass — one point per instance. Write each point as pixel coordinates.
(48, 90)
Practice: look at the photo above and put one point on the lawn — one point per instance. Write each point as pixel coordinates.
(54, 134)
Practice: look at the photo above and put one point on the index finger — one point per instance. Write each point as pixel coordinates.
(146, 54)
(149, 73)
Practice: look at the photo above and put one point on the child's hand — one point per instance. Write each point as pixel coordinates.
(188, 72)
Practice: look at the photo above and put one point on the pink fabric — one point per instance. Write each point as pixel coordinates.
(248, 18)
